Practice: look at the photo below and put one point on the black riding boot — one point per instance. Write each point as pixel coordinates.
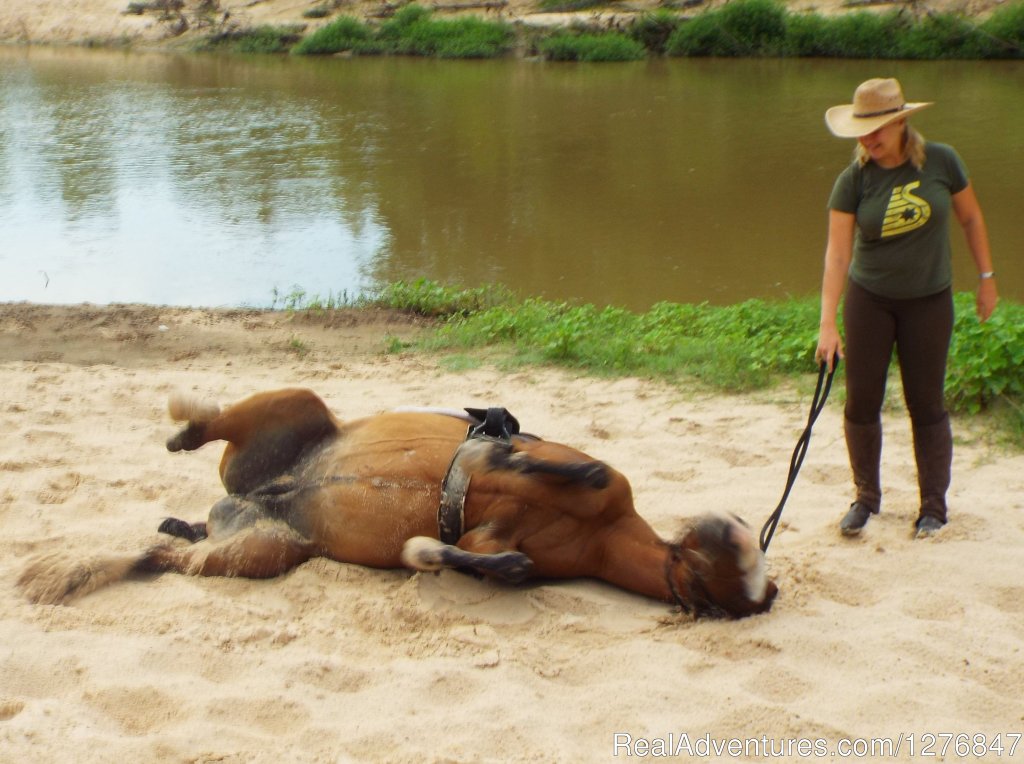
(864, 445)
(933, 451)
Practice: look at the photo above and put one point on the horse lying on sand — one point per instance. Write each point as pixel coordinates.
(409, 488)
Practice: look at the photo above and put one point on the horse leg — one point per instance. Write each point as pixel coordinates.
(263, 551)
(593, 474)
(267, 434)
(428, 554)
(244, 539)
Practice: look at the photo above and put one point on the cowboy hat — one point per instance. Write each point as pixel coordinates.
(876, 103)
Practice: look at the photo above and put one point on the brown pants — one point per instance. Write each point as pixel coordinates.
(919, 329)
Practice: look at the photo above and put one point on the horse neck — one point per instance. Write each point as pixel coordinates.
(637, 559)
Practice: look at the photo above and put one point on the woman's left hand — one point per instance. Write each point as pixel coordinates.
(987, 297)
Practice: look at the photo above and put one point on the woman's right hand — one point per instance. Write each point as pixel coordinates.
(830, 345)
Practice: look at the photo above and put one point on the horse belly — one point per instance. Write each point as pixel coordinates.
(379, 485)
(367, 519)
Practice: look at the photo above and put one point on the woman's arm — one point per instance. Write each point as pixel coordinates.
(838, 254)
(968, 212)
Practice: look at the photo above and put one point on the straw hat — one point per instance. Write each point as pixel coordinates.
(876, 103)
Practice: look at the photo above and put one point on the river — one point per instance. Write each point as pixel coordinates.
(211, 180)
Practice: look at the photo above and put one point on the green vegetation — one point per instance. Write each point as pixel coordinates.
(568, 6)
(412, 31)
(343, 34)
(739, 347)
(741, 28)
(298, 347)
(734, 348)
(986, 361)
(433, 300)
(259, 40)
(766, 28)
(317, 12)
(609, 46)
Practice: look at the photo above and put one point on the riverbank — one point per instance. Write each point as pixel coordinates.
(173, 23)
(870, 638)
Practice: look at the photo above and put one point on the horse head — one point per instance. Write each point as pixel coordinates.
(717, 563)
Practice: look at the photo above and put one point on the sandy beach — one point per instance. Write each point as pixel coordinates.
(880, 638)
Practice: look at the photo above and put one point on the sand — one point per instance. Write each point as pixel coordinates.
(880, 638)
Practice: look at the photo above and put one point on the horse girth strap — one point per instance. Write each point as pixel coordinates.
(495, 424)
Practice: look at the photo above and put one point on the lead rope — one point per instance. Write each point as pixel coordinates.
(817, 404)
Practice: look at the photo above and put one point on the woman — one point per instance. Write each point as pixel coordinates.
(889, 233)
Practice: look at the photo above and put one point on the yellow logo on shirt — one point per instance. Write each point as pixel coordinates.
(905, 211)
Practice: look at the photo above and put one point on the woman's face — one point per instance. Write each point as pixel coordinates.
(885, 145)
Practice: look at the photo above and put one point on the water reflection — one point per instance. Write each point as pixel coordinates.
(205, 180)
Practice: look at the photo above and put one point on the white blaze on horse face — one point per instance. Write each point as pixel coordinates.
(751, 562)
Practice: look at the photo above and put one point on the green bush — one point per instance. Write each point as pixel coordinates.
(986, 360)
(395, 27)
(764, 28)
(456, 38)
(1004, 32)
(939, 36)
(343, 34)
(810, 35)
(609, 46)
(266, 40)
(412, 31)
(866, 35)
(741, 28)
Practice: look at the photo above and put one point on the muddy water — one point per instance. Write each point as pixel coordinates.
(195, 180)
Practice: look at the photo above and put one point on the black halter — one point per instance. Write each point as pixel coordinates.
(700, 603)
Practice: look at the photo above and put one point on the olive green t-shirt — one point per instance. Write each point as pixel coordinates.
(901, 246)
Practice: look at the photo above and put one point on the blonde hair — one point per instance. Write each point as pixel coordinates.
(913, 147)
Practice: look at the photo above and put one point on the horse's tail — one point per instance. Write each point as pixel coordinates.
(53, 579)
(184, 407)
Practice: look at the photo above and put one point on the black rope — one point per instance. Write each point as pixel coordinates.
(817, 404)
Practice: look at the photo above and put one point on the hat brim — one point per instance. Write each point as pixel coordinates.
(842, 122)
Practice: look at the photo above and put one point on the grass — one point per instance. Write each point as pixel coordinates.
(739, 348)
(259, 40)
(588, 47)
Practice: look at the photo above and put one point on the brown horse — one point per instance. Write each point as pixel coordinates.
(303, 484)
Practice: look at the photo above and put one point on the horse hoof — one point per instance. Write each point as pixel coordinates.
(172, 526)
